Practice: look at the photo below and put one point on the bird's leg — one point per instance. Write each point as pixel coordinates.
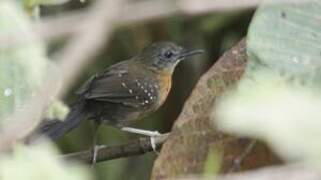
(95, 141)
(151, 134)
(140, 131)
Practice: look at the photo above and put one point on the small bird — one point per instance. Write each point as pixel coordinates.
(126, 91)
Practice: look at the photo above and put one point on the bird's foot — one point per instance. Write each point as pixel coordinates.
(153, 143)
(141, 131)
(94, 152)
(151, 134)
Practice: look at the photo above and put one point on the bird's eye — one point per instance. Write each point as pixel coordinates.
(168, 54)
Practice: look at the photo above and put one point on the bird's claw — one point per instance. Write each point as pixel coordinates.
(151, 134)
(94, 154)
(153, 142)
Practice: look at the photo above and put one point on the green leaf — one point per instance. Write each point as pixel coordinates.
(278, 99)
(213, 162)
(287, 116)
(38, 162)
(22, 65)
(57, 110)
(286, 38)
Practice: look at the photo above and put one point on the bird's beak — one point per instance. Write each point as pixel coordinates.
(189, 53)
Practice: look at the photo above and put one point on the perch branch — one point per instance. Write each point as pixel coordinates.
(105, 153)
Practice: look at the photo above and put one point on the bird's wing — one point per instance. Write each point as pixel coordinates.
(116, 85)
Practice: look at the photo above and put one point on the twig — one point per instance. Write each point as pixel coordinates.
(99, 25)
(71, 23)
(105, 153)
(204, 6)
(236, 165)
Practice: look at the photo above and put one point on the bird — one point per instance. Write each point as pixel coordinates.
(125, 92)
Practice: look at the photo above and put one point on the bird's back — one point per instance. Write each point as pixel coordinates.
(125, 92)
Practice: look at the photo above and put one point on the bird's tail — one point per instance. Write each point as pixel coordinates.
(55, 129)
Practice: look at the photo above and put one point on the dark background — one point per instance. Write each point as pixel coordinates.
(213, 32)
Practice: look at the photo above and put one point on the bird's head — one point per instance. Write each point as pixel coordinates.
(164, 55)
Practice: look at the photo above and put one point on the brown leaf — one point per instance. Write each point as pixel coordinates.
(194, 135)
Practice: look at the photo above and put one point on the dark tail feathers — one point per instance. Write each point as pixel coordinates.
(55, 129)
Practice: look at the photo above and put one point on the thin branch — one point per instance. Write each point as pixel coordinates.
(204, 6)
(98, 26)
(105, 153)
(236, 165)
(70, 23)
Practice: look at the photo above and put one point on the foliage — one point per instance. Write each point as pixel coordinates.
(213, 162)
(57, 110)
(38, 162)
(279, 99)
(22, 65)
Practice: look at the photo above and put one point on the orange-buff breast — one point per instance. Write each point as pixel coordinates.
(165, 83)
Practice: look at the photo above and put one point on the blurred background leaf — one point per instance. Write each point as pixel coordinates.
(57, 109)
(279, 99)
(39, 162)
(213, 162)
(23, 65)
(286, 38)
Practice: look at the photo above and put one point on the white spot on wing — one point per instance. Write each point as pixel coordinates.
(137, 82)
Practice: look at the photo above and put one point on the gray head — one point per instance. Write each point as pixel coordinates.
(164, 55)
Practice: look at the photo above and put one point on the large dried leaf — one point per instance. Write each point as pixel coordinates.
(193, 136)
